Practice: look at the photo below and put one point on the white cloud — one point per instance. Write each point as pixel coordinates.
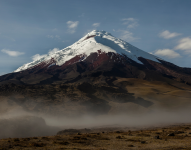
(12, 53)
(130, 22)
(167, 35)
(127, 35)
(54, 50)
(184, 44)
(167, 53)
(38, 56)
(96, 25)
(72, 25)
(53, 36)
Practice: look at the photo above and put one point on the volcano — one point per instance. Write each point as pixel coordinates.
(96, 48)
(98, 74)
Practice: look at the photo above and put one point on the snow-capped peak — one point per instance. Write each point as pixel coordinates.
(91, 43)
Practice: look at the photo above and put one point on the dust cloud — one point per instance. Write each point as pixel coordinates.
(148, 119)
(17, 122)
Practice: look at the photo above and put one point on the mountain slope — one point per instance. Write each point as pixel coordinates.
(98, 74)
(94, 42)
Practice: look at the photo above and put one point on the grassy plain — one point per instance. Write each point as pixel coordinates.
(175, 137)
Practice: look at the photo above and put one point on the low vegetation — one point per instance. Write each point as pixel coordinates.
(172, 137)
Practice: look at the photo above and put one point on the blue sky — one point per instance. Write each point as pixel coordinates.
(28, 28)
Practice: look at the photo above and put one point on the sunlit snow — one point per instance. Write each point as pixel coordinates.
(85, 46)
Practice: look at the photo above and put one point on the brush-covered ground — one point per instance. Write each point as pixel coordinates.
(168, 138)
(123, 95)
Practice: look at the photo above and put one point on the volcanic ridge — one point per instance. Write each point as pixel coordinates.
(98, 74)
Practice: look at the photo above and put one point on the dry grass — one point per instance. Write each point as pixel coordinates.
(158, 91)
(173, 137)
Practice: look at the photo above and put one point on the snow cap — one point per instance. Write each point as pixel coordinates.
(91, 43)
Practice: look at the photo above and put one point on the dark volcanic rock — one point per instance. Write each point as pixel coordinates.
(171, 134)
(73, 131)
(88, 85)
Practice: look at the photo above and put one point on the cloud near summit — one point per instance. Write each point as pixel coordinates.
(72, 25)
(167, 35)
(38, 56)
(184, 44)
(127, 35)
(96, 25)
(167, 53)
(130, 22)
(12, 53)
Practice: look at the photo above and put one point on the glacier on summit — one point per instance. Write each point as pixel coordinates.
(91, 43)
